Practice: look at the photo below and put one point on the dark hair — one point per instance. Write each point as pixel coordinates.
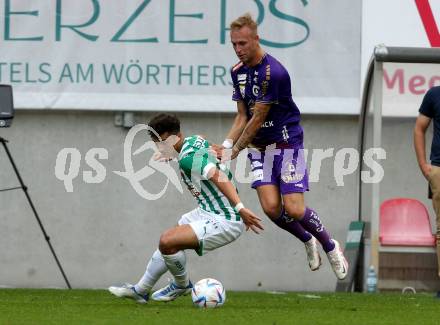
(164, 123)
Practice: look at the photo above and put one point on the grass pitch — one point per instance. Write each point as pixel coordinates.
(23, 306)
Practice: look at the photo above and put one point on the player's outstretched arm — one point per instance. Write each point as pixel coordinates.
(239, 124)
(259, 116)
(250, 219)
(235, 132)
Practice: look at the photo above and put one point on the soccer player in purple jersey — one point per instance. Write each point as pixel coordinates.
(268, 120)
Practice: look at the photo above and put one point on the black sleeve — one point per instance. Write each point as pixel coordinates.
(427, 106)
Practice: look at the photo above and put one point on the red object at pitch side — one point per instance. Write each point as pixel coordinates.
(404, 222)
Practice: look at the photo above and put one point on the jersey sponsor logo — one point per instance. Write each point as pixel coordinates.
(257, 175)
(292, 175)
(242, 83)
(264, 87)
(241, 77)
(293, 178)
(267, 124)
(255, 90)
(242, 90)
(256, 164)
(268, 72)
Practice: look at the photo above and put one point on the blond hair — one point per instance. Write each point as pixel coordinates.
(244, 20)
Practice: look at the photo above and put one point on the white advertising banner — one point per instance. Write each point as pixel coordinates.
(403, 23)
(404, 86)
(173, 54)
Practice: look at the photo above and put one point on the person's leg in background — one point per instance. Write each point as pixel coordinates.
(434, 182)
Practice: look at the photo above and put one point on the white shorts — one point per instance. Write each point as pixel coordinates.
(212, 231)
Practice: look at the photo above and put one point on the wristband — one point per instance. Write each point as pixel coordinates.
(227, 144)
(239, 206)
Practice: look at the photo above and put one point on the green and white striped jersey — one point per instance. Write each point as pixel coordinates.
(195, 162)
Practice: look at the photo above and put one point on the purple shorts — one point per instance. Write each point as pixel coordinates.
(283, 167)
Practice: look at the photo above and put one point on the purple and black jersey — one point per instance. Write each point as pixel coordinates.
(269, 82)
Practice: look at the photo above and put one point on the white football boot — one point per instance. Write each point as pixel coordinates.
(313, 256)
(128, 291)
(171, 292)
(338, 261)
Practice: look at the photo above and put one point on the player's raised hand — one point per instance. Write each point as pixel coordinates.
(251, 220)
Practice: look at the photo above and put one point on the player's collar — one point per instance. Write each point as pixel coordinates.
(258, 63)
(262, 58)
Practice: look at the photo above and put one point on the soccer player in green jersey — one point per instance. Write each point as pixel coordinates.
(219, 219)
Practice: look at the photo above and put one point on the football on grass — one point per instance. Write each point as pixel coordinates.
(208, 293)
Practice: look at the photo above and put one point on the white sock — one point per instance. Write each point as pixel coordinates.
(176, 264)
(155, 269)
